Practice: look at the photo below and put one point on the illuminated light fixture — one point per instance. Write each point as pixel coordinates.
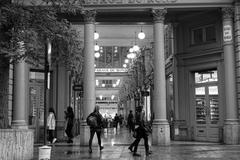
(100, 97)
(136, 48)
(125, 65)
(96, 47)
(96, 35)
(141, 35)
(103, 85)
(97, 54)
(131, 50)
(94, 65)
(97, 82)
(131, 55)
(112, 97)
(126, 60)
(114, 85)
(118, 81)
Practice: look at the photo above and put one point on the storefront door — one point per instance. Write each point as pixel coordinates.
(36, 105)
(207, 111)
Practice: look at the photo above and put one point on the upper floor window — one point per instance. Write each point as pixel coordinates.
(204, 34)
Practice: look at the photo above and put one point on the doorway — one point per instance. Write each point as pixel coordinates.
(36, 104)
(206, 107)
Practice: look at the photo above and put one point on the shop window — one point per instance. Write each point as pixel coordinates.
(205, 34)
(206, 76)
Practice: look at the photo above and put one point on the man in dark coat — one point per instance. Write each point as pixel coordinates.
(97, 129)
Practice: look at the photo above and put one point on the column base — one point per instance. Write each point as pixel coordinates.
(19, 124)
(161, 133)
(16, 144)
(85, 135)
(231, 131)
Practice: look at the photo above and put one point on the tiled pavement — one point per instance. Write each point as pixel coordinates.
(116, 148)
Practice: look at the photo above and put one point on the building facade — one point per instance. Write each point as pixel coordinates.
(194, 88)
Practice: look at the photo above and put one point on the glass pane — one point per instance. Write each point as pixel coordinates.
(213, 90)
(200, 110)
(206, 76)
(197, 36)
(213, 100)
(210, 33)
(200, 91)
(214, 109)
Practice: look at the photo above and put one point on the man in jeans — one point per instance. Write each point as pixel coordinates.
(96, 129)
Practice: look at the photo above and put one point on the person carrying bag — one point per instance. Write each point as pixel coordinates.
(95, 122)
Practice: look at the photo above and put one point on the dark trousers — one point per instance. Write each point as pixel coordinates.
(69, 131)
(50, 135)
(92, 132)
(141, 133)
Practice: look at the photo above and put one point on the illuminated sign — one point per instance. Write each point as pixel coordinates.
(114, 2)
(111, 69)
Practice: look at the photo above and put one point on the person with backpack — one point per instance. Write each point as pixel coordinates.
(95, 121)
(142, 131)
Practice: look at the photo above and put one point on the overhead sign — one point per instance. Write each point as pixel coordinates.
(113, 2)
(227, 33)
(111, 70)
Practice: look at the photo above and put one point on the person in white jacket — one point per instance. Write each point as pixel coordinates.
(51, 125)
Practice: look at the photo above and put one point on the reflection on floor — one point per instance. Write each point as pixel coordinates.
(116, 148)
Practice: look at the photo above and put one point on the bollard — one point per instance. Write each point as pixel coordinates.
(44, 153)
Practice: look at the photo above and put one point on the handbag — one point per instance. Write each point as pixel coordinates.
(134, 133)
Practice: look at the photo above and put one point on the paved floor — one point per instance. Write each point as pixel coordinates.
(116, 148)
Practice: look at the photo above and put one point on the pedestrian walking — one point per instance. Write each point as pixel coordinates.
(130, 121)
(141, 132)
(51, 125)
(116, 121)
(95, 121)
(69, 116)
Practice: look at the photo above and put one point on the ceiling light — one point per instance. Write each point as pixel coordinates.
(141, 35)
(96, 47)
(125, 65)
(97, 54)
(96, 35)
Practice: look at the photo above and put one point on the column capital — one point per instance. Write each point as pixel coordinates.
(89, 16)
(227, 12)
(159, 14)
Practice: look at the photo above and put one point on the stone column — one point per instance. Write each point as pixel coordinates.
(20, 95)
(237, 51)
(230, 134)
(89, 73)
(161, 130)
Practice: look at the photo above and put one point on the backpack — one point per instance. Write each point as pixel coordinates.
(92, 121)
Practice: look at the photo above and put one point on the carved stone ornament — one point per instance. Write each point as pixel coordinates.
(227, 12)
(159, 14)
(89, 16)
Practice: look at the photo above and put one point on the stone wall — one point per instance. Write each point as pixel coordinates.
(4, 70)
(16, 144)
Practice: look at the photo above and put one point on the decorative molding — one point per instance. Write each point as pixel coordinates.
(159, 14)
(227, 12)
(89, 16)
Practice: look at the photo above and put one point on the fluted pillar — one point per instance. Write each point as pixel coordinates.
(89, 73)
(20, 95)
(161, 130)
(231, 121)
(237, 50)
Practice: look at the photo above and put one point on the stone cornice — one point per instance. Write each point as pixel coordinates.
(227, 12)
(159, 15)
(89, 16)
